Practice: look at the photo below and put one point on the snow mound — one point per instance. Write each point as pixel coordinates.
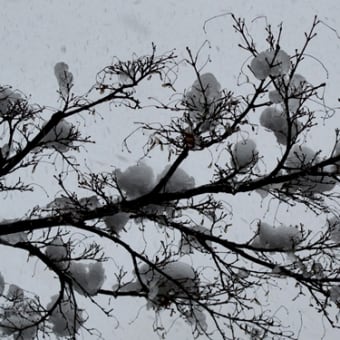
(64, 78)
(244, 154)
(270, 63)
(136, 180)
(277, 238)
(179, 181)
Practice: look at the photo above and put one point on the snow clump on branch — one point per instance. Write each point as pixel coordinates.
(20, 316)
(116, 223)
(10, 102)
(334, 227)
(87, 278)
(172, 281)
(58, 252)
(201, 101)
(276, 121)
(277, 238)
(64, 78)
(296, 85)
(176, 280)
(60, 136)
(189, 243)
(14, 238)
(300, 157)
(270, 63)
(136, 180)
(2, 284)
(67, 204)
(66, 319)
(179, 180)
(244, 154)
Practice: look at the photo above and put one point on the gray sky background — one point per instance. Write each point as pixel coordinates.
(86, 34)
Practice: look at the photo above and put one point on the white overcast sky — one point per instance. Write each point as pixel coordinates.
(86, 34)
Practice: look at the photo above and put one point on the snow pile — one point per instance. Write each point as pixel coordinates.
(300, 157)
(136, 180)
(58, 252)
(201, 101)
(188, 243)
(87, 278)
(276, 121)
(295, 87)
(277, 238)
(270, 63)
(64, 78)
(19, 317)
(60, 136)
(10, 102)
(244, 154)
(116, 223)
(179, 181)
(65, 319)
